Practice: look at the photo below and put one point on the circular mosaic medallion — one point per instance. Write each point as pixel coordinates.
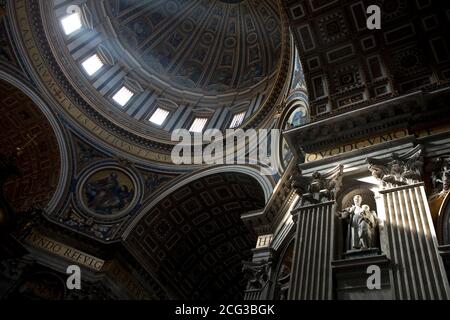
(108, 192)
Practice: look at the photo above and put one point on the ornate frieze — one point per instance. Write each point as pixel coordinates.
(64, 251)
(354, 146)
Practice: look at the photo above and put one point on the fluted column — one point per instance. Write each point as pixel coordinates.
(311, 277)
(418, 271)
(410, 238)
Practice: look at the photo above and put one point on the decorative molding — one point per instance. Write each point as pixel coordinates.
(398, 170)
(257, 273)
(319, 188)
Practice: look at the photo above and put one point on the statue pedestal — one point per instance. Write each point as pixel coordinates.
(352, 254)
(350, 277)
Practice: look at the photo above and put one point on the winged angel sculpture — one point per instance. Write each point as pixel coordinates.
(319, 187)
(440, 178)
(398, 170)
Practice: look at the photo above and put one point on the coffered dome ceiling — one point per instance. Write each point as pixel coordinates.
(192, 59)
(206, 48)
(125, 63)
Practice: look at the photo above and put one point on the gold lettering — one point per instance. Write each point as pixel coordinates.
(358, 145)
(362, 144)
(386, 138)
(311, 157)
(335, 151)
(348, 148)
(64, 251)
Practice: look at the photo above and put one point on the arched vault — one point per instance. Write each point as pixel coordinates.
(193, 239)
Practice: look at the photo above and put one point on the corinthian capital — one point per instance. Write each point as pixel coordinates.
(398, 170)
(320, 187)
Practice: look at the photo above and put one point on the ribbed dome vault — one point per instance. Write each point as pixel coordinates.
(208, 47)
(182, 60)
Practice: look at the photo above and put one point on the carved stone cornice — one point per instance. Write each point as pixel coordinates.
(414, 111)
(399, 169)
(266, 221)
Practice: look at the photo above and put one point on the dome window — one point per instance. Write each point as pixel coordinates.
(92, 65)
(198, 125)
(237, 120)
(123, 96)
(159, 116)
(72, 23)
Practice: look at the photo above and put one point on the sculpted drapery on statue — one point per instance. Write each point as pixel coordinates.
(362, 225)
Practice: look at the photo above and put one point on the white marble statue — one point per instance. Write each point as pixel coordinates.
(362, 225)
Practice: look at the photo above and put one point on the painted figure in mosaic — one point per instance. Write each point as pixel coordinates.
(108, 195)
